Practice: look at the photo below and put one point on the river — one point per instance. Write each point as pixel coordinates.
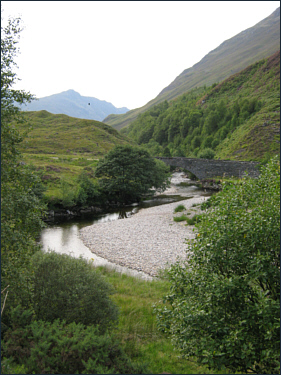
(63, 237)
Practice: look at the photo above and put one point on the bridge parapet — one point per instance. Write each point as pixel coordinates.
(210, 168)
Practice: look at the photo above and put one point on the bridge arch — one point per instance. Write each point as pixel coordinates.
(210, 168)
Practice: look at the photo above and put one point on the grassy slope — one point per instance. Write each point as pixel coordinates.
(61, 146)
(231, 56)
(61, 134)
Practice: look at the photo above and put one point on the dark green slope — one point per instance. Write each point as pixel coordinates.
(233, 55)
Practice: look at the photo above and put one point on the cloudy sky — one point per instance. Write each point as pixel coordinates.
(124, 52)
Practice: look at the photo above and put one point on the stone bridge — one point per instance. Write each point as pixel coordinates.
(210, 168)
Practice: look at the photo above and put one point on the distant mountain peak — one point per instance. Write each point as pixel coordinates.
(73, 104)
(71, 91)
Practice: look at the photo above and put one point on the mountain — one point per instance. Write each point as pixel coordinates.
(233, 55)
(73, 104)
(237, 119)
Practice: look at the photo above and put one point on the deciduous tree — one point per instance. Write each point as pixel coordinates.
(21, 208)
(128, 173)
(224, 304)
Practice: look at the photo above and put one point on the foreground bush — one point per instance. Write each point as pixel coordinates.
(69, 288)
(60, 348)
(224, 303)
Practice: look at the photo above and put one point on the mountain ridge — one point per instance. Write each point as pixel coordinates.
(228, 58)
(72, 104)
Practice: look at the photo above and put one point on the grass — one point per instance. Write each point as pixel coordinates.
(178, 219)
(137, 327)
(60, 147)
(195, 219)
(57, 167)
(190, 221)
(48, 133)
(180, 208)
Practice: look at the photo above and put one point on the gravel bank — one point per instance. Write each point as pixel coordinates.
(147, 241)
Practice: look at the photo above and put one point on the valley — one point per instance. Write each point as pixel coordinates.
(176, 279)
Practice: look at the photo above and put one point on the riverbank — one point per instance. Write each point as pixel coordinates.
(148, 241)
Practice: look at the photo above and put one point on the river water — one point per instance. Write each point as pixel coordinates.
(63, 237)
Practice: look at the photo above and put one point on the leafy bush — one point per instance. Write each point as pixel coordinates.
(9, 367)
(88, 192)
(60, 348)
(224, 303)
(69, 288)
(67, 194)
(207, 153)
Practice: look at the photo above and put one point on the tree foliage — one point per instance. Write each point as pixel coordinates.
(88, 191)
(206, 153)
(224, 302)
(21, 207)
(128, 173)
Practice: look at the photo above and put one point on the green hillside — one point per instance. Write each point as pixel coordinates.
(62, 147)
(237, 119)
(233, 55)
(61, 134)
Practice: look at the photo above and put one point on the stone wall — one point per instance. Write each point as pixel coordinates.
(206, 168)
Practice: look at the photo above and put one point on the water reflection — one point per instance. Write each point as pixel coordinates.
(54, 239)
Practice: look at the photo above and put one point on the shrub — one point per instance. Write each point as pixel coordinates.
(179, 208)
(87, 192)
(215, 143)
(9, 367)
(60, 348)
(207, 153)
(67, 194)
(224, 302)
(207, 142)
(69, 288)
